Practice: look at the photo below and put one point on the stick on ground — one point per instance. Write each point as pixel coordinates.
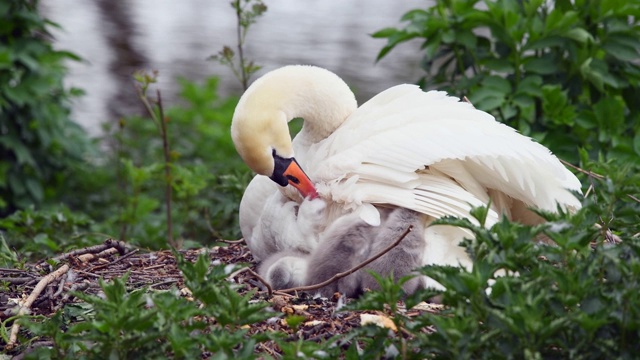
(24, 308)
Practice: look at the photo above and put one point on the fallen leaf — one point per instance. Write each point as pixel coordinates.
(314, 323)
(378, 320)
(425, 306)
(302, 307)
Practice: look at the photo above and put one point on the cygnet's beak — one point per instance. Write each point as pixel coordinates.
(288, 172)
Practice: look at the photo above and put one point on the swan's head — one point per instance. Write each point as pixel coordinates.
(260, 128)
(265, 146)
(260, 132)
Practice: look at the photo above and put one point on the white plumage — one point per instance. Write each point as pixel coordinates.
(424, 151)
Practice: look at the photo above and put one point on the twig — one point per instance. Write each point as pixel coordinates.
(269, 350)
(161, 124)
(88, 257)
(61, 285)
(263, 281)
(109, 243)
(244, 78)
(163, 283)
(75, 287)
(255, 274)
(279, 292)
(352, 270)
(594, 175)
(88, 273)
(167, 170)
(155, 267)
(98, 267)
(16, 280)
(231, 242)
(634, 198)
(589, 189)
(586, 172)
(24, 308)
(25, 272)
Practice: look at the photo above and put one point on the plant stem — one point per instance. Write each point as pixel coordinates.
(120, 180)
(244, 79)
(167, 170)
(162, 127)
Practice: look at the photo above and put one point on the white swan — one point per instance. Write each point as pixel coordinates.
(424, 151)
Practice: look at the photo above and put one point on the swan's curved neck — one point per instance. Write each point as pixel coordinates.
(321, 98)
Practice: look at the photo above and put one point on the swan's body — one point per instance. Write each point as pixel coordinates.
(423, 151)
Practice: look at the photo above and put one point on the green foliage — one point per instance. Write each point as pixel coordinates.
(572, 300)
(247, 12)
(44, 233)
(565, 72)
(207, 176)
(575, 299)
(46, 159)
(123, 324)
(38, 141)
(120, 193)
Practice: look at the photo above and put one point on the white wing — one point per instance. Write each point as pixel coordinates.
(434, 154)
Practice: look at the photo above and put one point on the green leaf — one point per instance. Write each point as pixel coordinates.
(531, 7)
(545, 42)
(556, 107)
(497, 83)
(393, 40)
(622, 47)
(415, 15)
(636, 143)
(35, 189)
(559, 20)
(531, 85)
(499, 65)
(541, 65)
(592, 74)
(580, 35)
(609, 112)
(385, 33)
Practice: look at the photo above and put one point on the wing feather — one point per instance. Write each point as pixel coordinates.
(429, 152)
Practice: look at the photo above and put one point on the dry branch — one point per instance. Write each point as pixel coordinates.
(586, 172)
(120, 246)
(24, 307)
(255, 274)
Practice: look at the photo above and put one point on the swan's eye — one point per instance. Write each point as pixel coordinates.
(293, 179)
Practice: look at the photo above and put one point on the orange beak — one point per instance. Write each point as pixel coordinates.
(298, 179)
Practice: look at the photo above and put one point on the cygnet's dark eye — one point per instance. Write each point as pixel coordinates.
(293, 179)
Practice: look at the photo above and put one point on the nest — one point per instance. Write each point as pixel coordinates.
(43, 289)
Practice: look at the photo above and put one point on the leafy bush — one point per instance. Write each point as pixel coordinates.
(145, 324)
(38, 141)
(125, 186)
(43, 233)
(119, 193)
(569, 301)
(565, 72)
